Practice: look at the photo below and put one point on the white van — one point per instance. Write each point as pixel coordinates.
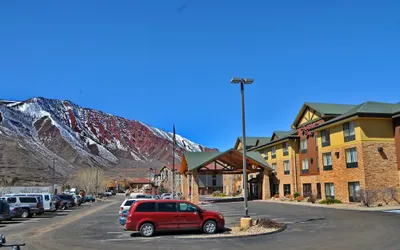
(47, 199)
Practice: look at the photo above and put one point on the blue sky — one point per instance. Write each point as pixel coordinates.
(165, 62)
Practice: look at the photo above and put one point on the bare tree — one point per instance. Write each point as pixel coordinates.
(368, 197)
(91, 180)
(386, 195)
(393, 194)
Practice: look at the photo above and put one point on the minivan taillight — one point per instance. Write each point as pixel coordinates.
(121, 208)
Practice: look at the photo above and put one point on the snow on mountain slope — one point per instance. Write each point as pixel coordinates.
(87, 137)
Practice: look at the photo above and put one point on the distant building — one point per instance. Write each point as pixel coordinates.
(207, 183)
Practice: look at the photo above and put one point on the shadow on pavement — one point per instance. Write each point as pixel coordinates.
(175, 233)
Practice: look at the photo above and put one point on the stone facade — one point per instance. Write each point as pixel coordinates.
(381, 169)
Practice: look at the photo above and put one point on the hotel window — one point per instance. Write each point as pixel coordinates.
(327, 158)
(325, 138)
(351, 158)
(285, 148)
(354, 192)
(265, 153)
(329, 191)
(274, 166)
(304, 166)
(286, 167)
(303, 146)
(349, 134)
(286, 189)
(273, 152)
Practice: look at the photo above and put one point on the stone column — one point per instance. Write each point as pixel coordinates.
(266, 192)
(184, 186)
(195, 187)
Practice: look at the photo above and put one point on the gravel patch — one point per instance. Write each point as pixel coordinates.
(235, 232)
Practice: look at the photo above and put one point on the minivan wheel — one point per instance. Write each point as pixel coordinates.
(147, 230)
(25, 213)
(210, 227)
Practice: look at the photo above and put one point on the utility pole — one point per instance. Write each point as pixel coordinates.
(173, 164)
(97, 181)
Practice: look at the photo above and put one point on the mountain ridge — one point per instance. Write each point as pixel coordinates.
(81, 137)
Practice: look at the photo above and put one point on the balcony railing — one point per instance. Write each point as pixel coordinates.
(349, 138)
(326, 143)
(352, 165)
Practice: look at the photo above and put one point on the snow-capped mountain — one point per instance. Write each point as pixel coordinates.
(45, 130)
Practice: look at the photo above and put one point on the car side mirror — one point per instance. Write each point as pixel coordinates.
(2, 239)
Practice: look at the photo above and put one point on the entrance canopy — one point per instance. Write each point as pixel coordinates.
(228, 162)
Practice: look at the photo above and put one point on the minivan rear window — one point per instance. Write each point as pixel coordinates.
(28, 199)
(129, 203)
(146, 207)
(11, 200)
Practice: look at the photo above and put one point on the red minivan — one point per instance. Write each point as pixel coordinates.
(149, 216)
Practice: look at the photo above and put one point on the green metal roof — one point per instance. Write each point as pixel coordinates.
(329, 108)
(325, 109)
(250, 141)
(396, 108)
(264, 139)
(283, 134)
(195, 160)
(372, 109)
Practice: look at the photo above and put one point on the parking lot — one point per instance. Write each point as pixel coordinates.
(308, 228)
(95, 226)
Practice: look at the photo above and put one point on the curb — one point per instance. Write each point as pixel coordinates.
(225, 200)
(360, 209)
(283, 228)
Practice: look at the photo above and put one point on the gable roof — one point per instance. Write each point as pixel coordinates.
(366, 109)
(324, 109)
(262, 140)
(251, 141)
(195, 160)
(140, 181)
(396, 108)
(283, 134)
(287, 135)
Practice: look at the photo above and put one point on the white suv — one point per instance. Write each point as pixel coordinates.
(126, 204)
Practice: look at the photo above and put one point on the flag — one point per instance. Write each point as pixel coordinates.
(174, 137)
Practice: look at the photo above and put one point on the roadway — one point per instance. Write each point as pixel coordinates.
(308, 228)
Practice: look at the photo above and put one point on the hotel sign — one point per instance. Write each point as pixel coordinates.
(306, 130)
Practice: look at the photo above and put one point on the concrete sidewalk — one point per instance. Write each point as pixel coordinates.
(343, 206)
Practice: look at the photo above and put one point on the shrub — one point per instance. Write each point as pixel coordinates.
(276, 196)
(297, 194)
(299, 198)
(329, 201)
(219, 194)
(368, 197)
(312, 199)
(267, 223)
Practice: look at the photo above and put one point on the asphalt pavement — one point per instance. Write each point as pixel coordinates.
(308, 228)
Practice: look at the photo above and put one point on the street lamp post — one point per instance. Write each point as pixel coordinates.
(242, 82)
